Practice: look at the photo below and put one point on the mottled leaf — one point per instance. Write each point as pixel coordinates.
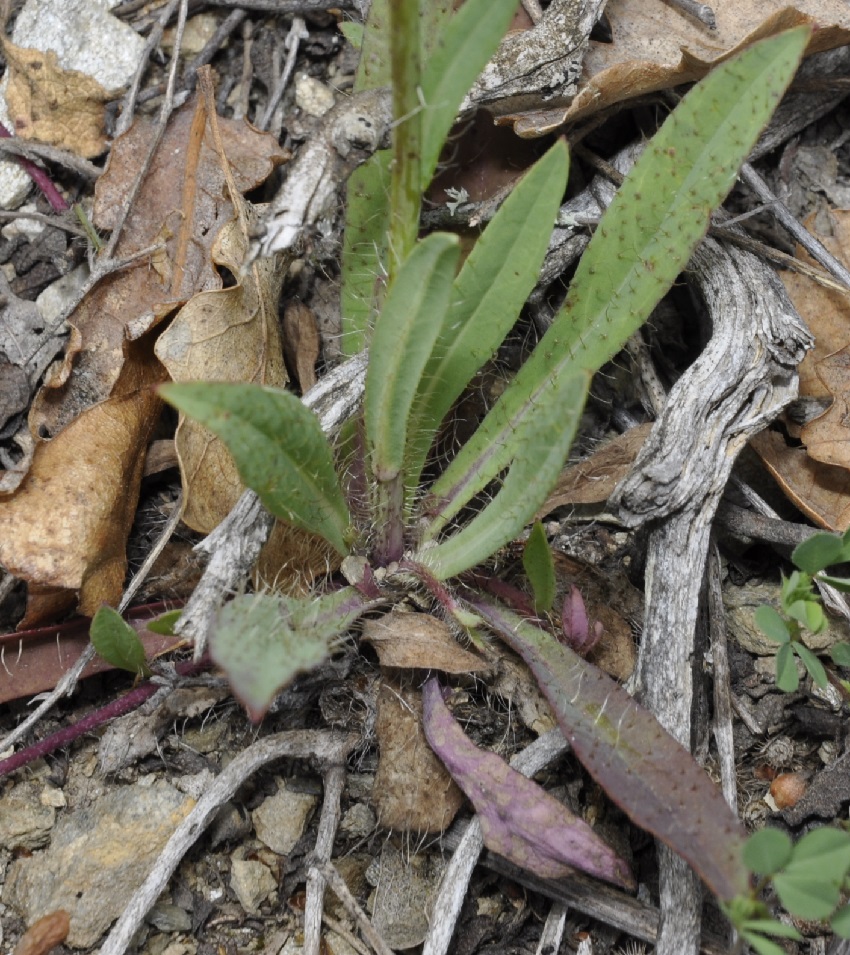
(519, 819)
(262, 642)
(279, 448)
(653, 779)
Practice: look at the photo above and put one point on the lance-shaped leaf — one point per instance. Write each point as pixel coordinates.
(488, 293)
(539, 567)
(644, 239)
(279, 449)
(519, 819)
(461, 53)
(647, 773)
(262, 642)
(540, 445)
(401, 345)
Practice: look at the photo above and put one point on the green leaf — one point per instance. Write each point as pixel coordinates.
(840, 922)
(164, 623)
(761, 944)
(805, 897)
(772, 927)
(279, 450)
(644, 239)
(364, 249)
(402, 342)
(117, 642)
(811, 663)
(822, 854)
(841, 654)
(809, 613)
(786, 669)
(487, 296)
(467, 43)
(539, 568)
(650, 776)
(819, 551)
(767, 851)
(839, 583)
(771, 624)
(263, 642)
(353, 32)
(540, 446)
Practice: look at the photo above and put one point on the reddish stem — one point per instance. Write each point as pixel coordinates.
(39, 177)
(123, 705)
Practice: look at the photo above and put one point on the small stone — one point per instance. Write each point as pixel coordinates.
(98, 856)
(252, 882)
(169, 918)
(281, 819)
(25, 821)
(312, 96)
(358, 822)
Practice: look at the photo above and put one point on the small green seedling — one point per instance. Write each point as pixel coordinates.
(118, 643)
(810, 878)
(802, 609)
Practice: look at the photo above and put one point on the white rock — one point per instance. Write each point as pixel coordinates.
(85, 37)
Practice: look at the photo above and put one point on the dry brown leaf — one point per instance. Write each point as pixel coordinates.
(182, 203)
(820, 491)
(67, 525)
(419, 640)
(61, 107)
(655, 48)
(45, 934)
(222, 335)
(827, 438)
(413, 791)
(301, 343)
(825, 311)
(592, 481)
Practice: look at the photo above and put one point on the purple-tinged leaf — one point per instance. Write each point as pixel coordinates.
(575, 624)
(519, 819)
(649, 775)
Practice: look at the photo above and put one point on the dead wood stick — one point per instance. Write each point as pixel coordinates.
(744, 377)
(334, 778)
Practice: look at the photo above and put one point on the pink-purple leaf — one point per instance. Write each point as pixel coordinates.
(519, 819)
(650, 776)
(575, 624)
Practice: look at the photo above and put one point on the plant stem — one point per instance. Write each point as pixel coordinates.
(389, 512)
(406, 69)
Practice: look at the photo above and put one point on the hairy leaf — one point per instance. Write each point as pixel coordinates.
(402, 343)
(461, 53)
(488, 293)
(644, 239)
(364, 254)
(279, 449)
(540, 568)
(519, 819)
(653, 779)
(117, 642)
(262, 642)
(540, 446)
